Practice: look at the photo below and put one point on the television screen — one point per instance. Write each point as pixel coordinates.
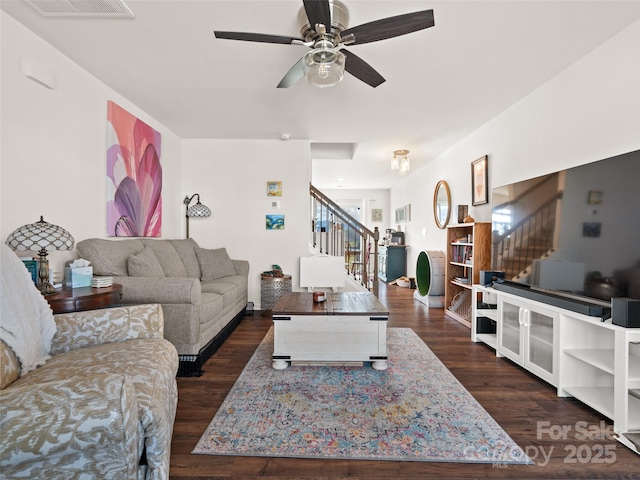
(576, 231)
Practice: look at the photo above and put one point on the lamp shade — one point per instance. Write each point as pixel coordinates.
(323, 67)
(40, 235)
(198, 210)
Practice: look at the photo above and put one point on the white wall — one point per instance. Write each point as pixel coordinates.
(231, 177)
(54, 145)
(53, 154)
(588, 112)
(371, 198)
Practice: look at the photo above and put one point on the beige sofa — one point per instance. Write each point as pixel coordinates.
(203, 292)
(82, 395)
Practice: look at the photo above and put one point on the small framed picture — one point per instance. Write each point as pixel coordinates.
(463, 212)
(480, 181)
(274, 222)
(595, 197)
(591, 229)
(274, 189)
(403, 214)
(376, 215)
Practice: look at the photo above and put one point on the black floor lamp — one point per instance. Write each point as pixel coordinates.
(197, 210)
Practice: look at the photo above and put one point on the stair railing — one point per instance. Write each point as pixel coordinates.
(532, 238)
(335, 232)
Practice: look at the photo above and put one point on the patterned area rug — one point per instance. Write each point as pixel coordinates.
(416, 410)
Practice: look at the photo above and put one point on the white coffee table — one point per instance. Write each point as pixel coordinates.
(346, 328)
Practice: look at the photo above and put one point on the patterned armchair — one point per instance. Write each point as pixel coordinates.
(102, 406)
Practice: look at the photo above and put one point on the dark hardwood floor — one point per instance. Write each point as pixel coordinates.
(517, 400)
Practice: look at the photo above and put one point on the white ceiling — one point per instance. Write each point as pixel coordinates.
(442, 83)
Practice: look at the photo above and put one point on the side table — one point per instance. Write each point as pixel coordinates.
(84, 298)
(271, 289)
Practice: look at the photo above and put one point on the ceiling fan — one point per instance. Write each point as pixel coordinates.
(325, 30)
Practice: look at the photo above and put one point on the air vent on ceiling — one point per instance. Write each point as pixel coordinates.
(81, 8)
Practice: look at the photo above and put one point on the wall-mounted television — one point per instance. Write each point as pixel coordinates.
(574, 233)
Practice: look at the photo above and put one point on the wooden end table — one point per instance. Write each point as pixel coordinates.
(84, 298)
(347, 327)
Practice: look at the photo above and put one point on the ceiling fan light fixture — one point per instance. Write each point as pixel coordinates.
(324, 66)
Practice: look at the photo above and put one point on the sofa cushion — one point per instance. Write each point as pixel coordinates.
(211, 307)
(109, 257)
(228, 291)
(169, 259)
(9, 366)
(144, 264)
(237, 280)
(187, 250)
(214, 263)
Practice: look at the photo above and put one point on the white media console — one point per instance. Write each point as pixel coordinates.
(594, 361)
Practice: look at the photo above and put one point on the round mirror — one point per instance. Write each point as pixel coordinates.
(442, 204)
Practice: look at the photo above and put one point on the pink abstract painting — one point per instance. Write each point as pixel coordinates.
(134, 176)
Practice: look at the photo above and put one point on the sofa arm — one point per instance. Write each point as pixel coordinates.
(160, 290)
(95, 327)
(73, 428)
(241, 266)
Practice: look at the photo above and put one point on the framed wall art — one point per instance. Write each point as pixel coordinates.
(274, 189)
(480, 181)
(403, 214)
(274, 222)
(134, 176)
(595, 197)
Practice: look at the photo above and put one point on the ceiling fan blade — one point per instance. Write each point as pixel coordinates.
(293, 75)
(362, 70)
(258, 37)
(390, 27)
(318, 11)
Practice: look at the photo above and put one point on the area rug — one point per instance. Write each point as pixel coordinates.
(416, 410)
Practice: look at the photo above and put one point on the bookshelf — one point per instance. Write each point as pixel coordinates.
(468, 252)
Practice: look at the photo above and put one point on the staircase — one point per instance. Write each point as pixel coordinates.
(335, 232)
(516, 248)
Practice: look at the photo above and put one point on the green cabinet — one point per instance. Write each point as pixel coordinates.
(392, 262)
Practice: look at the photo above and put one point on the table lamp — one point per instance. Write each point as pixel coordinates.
(41, 237)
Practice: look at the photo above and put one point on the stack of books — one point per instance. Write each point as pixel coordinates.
(102, 282)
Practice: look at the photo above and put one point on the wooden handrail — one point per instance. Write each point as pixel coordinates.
(335, 232)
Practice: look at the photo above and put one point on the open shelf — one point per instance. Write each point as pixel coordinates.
(460, 318)
(460, 284)
(465, 259)
(598, 398)
(634, 368)
(491, 313)
(599, 358)
(634, 412)
(490, 339)
(461, 264)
